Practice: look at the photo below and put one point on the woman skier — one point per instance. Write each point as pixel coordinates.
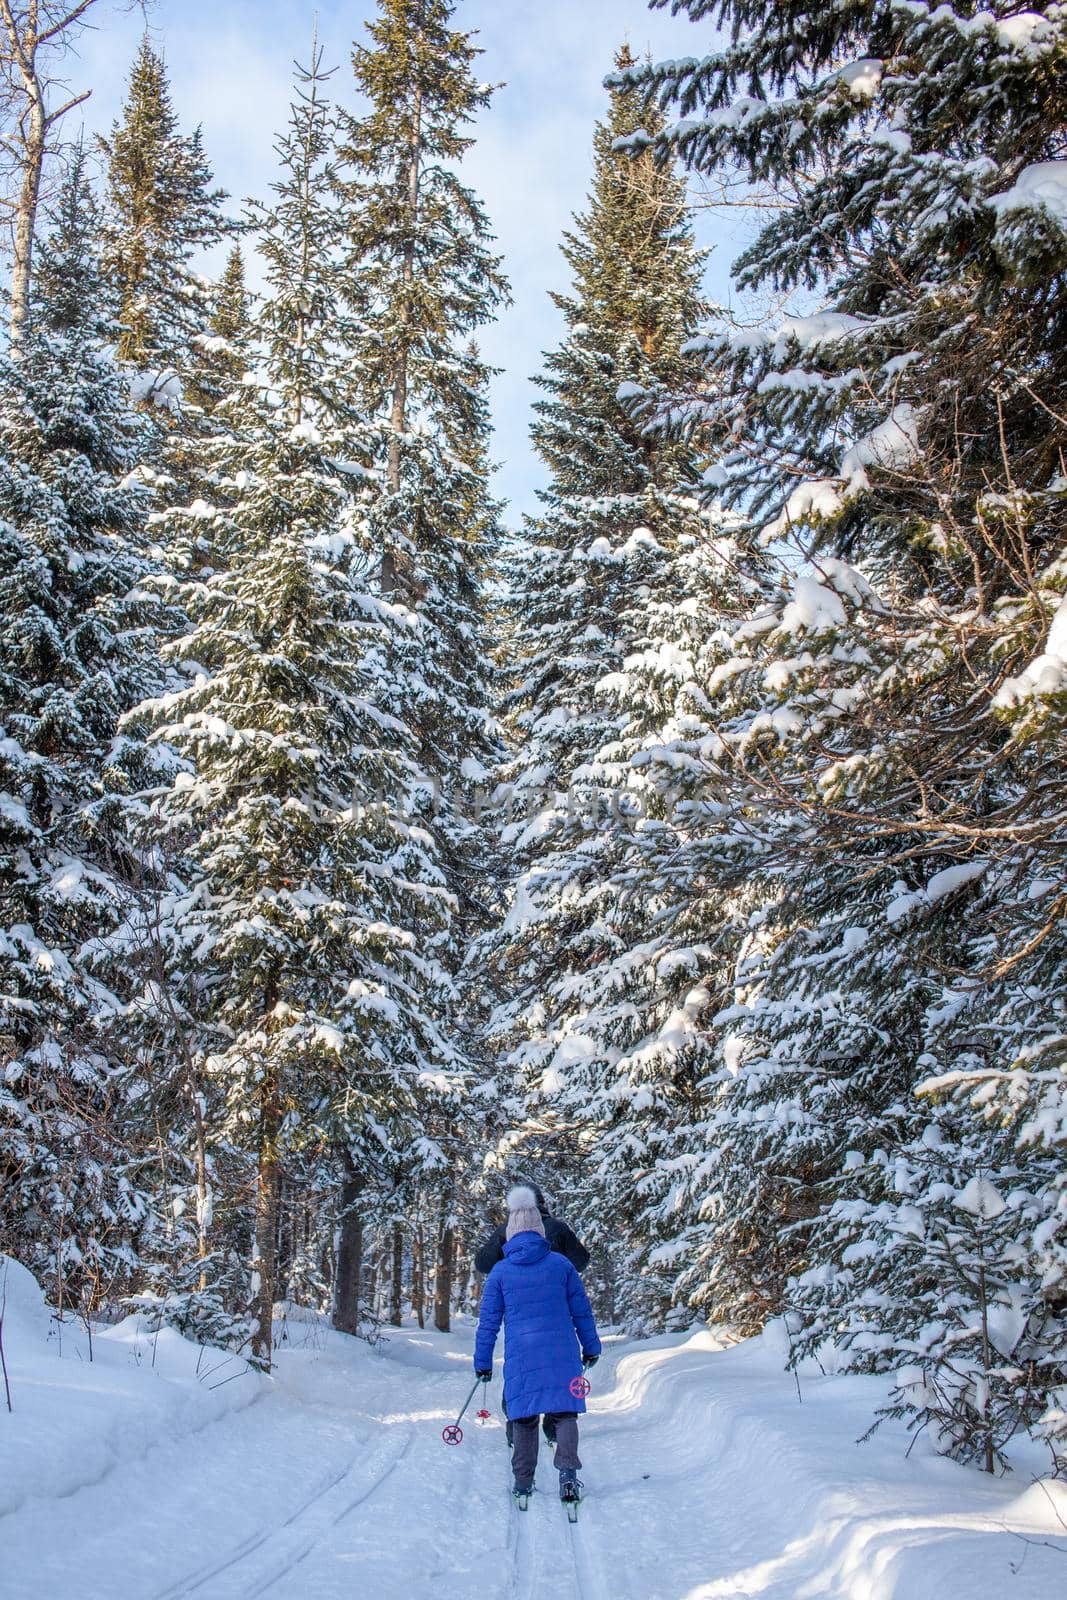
(549, 1336)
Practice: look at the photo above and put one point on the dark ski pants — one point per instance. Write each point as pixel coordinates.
(524, 1451)
(509, 1426)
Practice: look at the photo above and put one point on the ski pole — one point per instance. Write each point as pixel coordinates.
(453, 1434)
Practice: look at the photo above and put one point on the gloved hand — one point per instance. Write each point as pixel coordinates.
(589, 1361)
(484, 1376)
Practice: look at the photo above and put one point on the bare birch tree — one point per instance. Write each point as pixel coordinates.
(34, 34)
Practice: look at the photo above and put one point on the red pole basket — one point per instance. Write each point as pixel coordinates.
(580, 1387)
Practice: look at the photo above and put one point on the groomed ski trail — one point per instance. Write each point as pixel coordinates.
(259, 1563)
(335, 1516)
(706, 1479)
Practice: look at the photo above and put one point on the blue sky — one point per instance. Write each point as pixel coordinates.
(230, 64)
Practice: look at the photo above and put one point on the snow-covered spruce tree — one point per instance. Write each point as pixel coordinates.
(161, 211)
(316, 903)
(598, 967)
(221, 357)
(196, 1266)
(424, 280)
(77, 649)
(908, 439)
(693, 888)
(940, 1259)
(188, 473)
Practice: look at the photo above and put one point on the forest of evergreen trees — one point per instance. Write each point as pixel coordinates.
(697, 849)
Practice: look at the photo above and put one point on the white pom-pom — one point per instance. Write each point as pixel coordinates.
(521, 1199)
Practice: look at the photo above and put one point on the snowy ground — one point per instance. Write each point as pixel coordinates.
(706, 1480)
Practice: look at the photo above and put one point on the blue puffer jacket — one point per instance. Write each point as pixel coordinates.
(540, 1299)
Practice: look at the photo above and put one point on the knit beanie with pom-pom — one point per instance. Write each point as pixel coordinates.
(523, 1215)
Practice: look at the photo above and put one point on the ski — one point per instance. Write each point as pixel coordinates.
(572, 1510)
(521, 1500)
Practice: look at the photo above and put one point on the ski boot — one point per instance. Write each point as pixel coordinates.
(521, 1492)
(570, 1492)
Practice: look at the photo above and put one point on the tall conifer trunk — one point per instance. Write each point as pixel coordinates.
(418, 1278)
(446, 1250)
(346, 1308)
(396, 1286)
(266, 1219)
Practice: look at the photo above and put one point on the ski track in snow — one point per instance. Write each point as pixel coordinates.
(706, 1480)
(523, 1550)
(275, 1553)
(346, 1510)
(586, 1568)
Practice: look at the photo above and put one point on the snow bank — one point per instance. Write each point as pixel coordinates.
(84, 1402)
(26, 1316)
(765, 1491)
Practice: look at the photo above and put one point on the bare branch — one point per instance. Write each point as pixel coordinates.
(76, 100)
(62, 24)
(33, 32)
